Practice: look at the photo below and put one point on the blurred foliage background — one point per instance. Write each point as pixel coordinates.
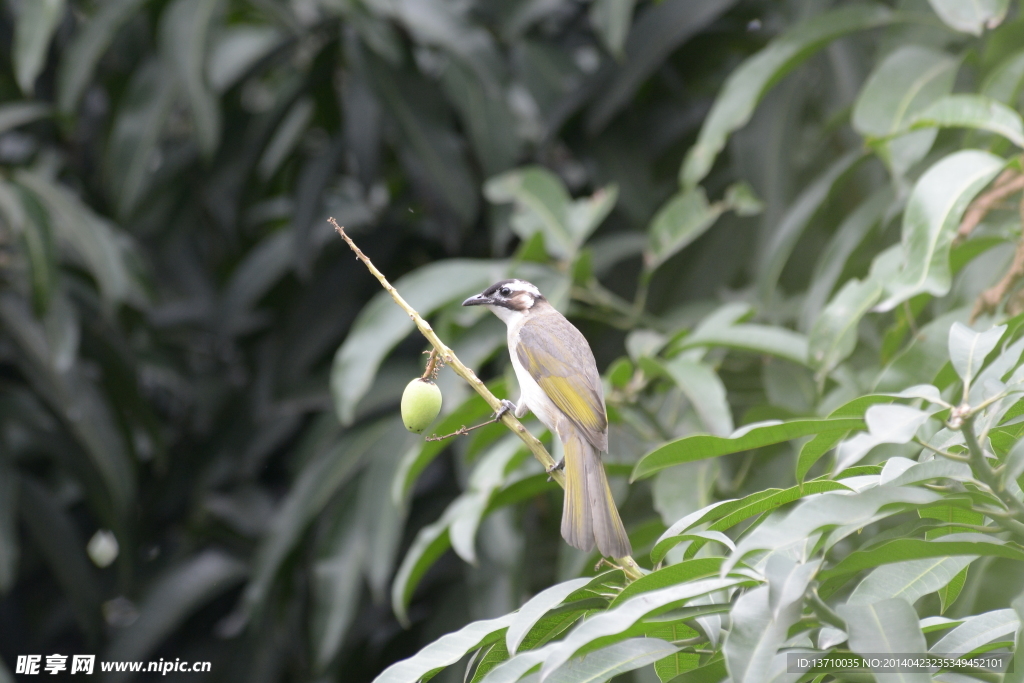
(200, 453)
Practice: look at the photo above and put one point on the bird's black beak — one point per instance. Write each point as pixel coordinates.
(478, 300)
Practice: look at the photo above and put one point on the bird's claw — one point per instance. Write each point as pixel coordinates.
(560, 465)
(507, 406)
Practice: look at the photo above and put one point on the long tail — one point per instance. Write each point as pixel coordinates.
(589, 512)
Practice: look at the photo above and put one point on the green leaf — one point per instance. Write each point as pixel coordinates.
(674, 574)
(9, 551)
(430, 543)
(87, 45)
(382, 324)
(658, 31)
(951, 591)
(1005, 81)
(760, 624)
(313, 488)
(684, 218)
(615, 621)
(829, 510)
(543, 205)
(701, 446)
(910, 579)
(971, 17)
(36, 23)
(794, 222)
(904, 549)
(886, 627)
(174, 596)
(972, 111)
(136, 133)
(977, 631)
(336, 582)
(25, 217)
(427, 132)
(748, 83)
(969, 349)
(237, 50)
(19, 113)
(1018, 658)
(730, 513)
(486, 116)
(184, 28)
(847, 238)
(762, 339)
(56, 539)
(601, 665)
(514, 669)
(104, 250)
(903, 85)
(536, 607)
(496, 654)
(611, 20)
(705, 391)
(445, 651)
(834, 335)
(933, 213)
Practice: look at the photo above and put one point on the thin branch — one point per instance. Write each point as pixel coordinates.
(627, 564)
(939, 451)
(984, 473)
(461, 431)
(1005, 185)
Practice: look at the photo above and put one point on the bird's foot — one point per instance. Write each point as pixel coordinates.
(560, 465)
(507, 406)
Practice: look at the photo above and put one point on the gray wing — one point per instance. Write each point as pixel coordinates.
(559, 358)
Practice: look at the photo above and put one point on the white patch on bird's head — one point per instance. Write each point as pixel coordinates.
(508, 299)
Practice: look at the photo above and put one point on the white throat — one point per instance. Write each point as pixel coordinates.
(509, 316)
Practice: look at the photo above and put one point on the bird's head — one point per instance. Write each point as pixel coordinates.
(508, 299)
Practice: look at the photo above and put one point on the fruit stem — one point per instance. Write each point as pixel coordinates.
(448, 357)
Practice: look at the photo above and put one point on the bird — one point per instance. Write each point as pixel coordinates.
(560, 384)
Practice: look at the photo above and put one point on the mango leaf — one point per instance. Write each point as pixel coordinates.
(759, 628)
(834, 335)
(977, 631)
(19, 113)
(675, 574)
(184, 28)
(445, 651)
(657, 32)
(1004, 82)
(601, 665)
(416, 105)
(893, 423)
(748, 83)
(486, 114)
(684, 218)
(828, 510)
(762, 339)
(705, 391)
(611, 20)
(971, 17)
(909, 580)
(56, 539)
(336, 585)
(536, 607)
(136, 133)
(9, 550)
(617, 620)
(175, 596)
(430, 543)
(87, 45)
(972, 111)
(382, 324)
(903, 549)
(36, 23)
(794, 222)
(969, 349)
(903, 85)
(885, 627)
(315, 485)
(933, 212)
(702, 446)
(829, 268)
(730, 513)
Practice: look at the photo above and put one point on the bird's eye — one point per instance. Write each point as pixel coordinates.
(505, 291)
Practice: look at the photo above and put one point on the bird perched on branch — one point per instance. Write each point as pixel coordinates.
(559, 382)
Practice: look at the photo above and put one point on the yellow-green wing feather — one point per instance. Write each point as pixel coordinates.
(557, 355)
